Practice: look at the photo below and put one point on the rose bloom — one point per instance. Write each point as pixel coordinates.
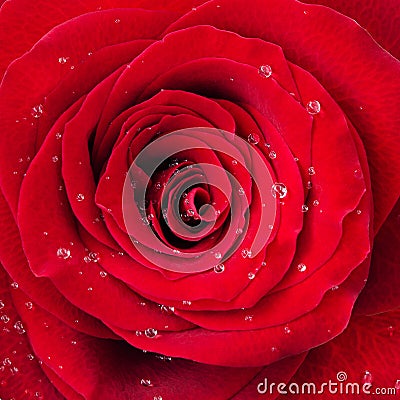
(199, 199)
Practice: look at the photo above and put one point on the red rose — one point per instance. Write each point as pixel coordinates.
(192, 195)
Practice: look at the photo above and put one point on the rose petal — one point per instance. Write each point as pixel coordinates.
(381, 293)
(368, 344)
(313, 42)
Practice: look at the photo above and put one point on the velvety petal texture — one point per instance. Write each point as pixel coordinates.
(197, 197)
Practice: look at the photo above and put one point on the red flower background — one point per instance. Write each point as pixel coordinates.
(85, 312)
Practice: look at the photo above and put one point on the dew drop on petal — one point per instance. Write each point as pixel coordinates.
(63, 253)
(253, 138)
(19, 327)
(37, 111)
(304, 208)
(279, 190)
(117, 21)
(151, 333)
(239, 231)
(157, 397)
(29, 305)
(272, 155)
(234, 162)
(1, 304)
(103, 274)
(367, 377)
(251, 275)
(287, 330)
(265, 71)
(313, 107)
(219, 268)
(218, 255)
(315, 203)
(80, 197)
(248, 318)
(358, 212)
(30, 357)
(146, 382)
(54, 159)
(311, 171)
(14, 285)
(241, 191)
(301, 267)
(5, 318)
(246, 253)
(391, 330)
(63, 60)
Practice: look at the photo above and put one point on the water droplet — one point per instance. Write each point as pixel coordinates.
(117, 21)
(287, 330)
(219, 268)
(253, 138)
(391, 330)
(103, 274)
(5, 318)
(239, 231)
(29, 305)
(186, 302)
(151, 333)
(311, 171)
(218, 255)
(241, 191)
(279, 190)
(246, 253)
(146, 382)
(272, 155)
(333, 288)
(274, 349)
(63, 253)
(263, 264)
(37, 111)
(251, 275)
(313, 107)
(296, 159)
(304, 208)
(301, 267)
(14, 285)
(309, 185)
(90, 289)
(80, 197)
(367, 378)
(19, 327)
(234, 162)
(7, 362)
(248, 318)
(58, 135)
(54, 159)
(30, 357)
(158, 397)
(63, 60)
(315, 203)
(358, 212)
(1, 305)
(87, 260)
(94, 256)
(265, 71)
